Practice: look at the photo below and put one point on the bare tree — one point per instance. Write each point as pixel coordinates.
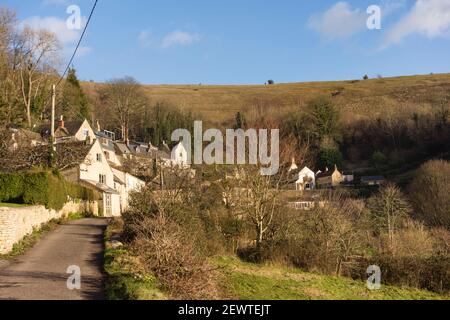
(389, 208)
(254, 197)
(429, 193)
(37, 55)
(8, 95)
(126, 97)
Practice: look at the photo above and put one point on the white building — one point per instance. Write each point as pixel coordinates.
(96, 172)
(179, 157)
(306, 180)
(126, 183)
(109, 148)
(70, 131)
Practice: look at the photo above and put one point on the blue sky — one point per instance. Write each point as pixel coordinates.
(251, 41)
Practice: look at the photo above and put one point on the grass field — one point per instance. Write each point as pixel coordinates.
(217, 105)
(247, 281)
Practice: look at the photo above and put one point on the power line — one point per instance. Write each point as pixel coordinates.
(78, 44)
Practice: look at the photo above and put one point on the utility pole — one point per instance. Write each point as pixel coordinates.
(52, 125)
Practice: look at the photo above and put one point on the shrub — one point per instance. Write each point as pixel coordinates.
(41, 188)
(170, 253)
(431, 273)
(11, 187)
(429, 193)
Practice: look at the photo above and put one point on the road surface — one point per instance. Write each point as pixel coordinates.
(41, 273)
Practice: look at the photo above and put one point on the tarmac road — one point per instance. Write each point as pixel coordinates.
(41, 273)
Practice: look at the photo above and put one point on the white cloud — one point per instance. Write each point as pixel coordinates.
(339, 22)
(58, 26)
(145, 38)
(429, 18)
(180, 38)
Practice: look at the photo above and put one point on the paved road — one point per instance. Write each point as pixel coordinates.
(40, 274)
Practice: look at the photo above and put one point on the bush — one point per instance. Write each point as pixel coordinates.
(41, 188)
(170, 253)
(431, 273)
(429, 193)
(11, 187)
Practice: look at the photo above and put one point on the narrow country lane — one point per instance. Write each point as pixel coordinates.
(40, 274)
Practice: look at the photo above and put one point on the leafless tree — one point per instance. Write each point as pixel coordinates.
(125, 96)
(37, 55)
(389, 208)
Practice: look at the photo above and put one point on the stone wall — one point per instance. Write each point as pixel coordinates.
(16, 223)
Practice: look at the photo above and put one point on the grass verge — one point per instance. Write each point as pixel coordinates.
(126, 279)
(246, 281)
(12, 205)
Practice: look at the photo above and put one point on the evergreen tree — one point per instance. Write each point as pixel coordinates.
(74, 103)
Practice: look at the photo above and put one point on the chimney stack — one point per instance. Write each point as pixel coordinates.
(98, 126)
(61, 122)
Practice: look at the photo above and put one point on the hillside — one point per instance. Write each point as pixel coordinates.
(218, 104)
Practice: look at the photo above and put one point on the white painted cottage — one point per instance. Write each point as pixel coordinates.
(306, 180)
(179, 156)
(126, 183)
(96, 172)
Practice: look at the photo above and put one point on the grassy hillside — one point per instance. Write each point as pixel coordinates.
(356, 98)
(246, 281)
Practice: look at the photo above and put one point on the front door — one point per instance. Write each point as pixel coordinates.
(108, 205)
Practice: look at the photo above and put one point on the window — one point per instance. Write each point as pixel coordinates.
(102, 178)
(99, 157)
(86, 133)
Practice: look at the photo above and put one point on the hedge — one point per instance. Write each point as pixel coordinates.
(41, 188)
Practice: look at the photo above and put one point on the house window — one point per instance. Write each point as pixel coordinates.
(99, 157)
(102, 178)
(86, 133)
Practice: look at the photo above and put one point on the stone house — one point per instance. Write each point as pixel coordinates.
(69, 131)
(329, 178)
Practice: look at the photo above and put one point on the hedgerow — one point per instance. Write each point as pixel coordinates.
(41, 188)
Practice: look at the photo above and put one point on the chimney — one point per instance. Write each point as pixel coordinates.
(61, 122)
(98, 126)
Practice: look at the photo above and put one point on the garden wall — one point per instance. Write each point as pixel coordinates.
(16, 223)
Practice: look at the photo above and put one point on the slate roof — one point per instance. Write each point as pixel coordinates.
(70, 127)
(372, 178)
(328, 173)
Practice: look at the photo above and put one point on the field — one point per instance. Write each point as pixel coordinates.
(247, 281)
(217, 105)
